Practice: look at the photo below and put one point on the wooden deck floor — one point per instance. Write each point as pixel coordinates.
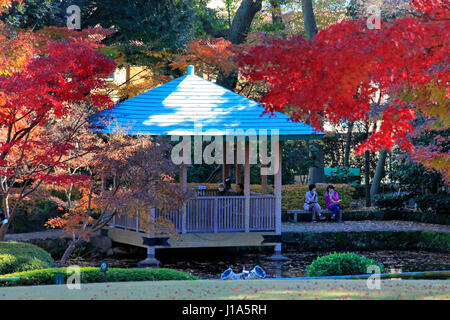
(193, 240)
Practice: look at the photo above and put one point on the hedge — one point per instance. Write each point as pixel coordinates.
(367, 240)
(293, 195)
(377, 215)
(20, 256)
(91, 275)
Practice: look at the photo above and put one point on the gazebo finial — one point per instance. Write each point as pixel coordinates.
(190, 70)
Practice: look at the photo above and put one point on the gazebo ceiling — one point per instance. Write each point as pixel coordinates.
(191, 105)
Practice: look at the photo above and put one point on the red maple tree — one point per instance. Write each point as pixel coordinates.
(344, 71)
(127, 175)
(34, 100)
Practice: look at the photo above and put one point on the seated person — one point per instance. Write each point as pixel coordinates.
(240, 189)
(332, 203)
(221, 188)
(312, 204)
(228, 191)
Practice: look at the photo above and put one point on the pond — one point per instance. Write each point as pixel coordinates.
(209, 264)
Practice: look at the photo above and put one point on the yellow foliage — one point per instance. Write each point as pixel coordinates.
(293, 195)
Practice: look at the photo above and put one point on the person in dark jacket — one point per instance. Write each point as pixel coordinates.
(240, 189)
(228, 190)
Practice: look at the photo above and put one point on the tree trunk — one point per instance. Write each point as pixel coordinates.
(316, 173)
(238, 33)
(348, 145)
(3, 230)
(4, 227)
(243, 20)
(379, 174)
(367, 177)
(277, 18)
(309, 19)
(68, 252)
(367, 170)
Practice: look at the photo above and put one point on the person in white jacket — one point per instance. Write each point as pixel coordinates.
(312, 204)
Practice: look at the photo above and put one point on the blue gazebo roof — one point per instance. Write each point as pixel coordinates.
(180, 106)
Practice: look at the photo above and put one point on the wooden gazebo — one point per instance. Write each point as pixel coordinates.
(193, 107)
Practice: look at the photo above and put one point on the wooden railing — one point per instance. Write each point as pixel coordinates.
(215, 214)
(262, 213)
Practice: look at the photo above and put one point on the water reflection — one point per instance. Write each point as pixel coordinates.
(213, 264)
(209, 264)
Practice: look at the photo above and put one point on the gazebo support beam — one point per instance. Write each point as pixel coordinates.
(237, 168)
(277, 256)
(183, 181)
(263, 176)
(225, 166)
(277, 187)
(263, 182)
(247, 186)
(238, 173)
(150, 261)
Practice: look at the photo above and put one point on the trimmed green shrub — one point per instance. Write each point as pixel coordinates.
(438, 203)
(91, 275)
(20, 256)
(368, 240)
(293, 195)
(341, 264)
(391, 201)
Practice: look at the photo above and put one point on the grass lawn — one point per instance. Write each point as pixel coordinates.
(245, 289)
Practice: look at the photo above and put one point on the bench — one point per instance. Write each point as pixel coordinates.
(294, 213)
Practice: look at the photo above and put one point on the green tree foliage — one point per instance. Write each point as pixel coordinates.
(34, 14)
(326, 12)
(334, 150)
(142, 26)
(412, 175)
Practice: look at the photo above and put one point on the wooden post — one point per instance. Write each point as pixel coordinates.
(237, 168)
(183, 181)
(277, 256)
(263, 177)
(277, 185)
(137, 221)
(238, 174)
(263, 182)
(247, 186)
(151, 222)
(216, 214)
(225, 166)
